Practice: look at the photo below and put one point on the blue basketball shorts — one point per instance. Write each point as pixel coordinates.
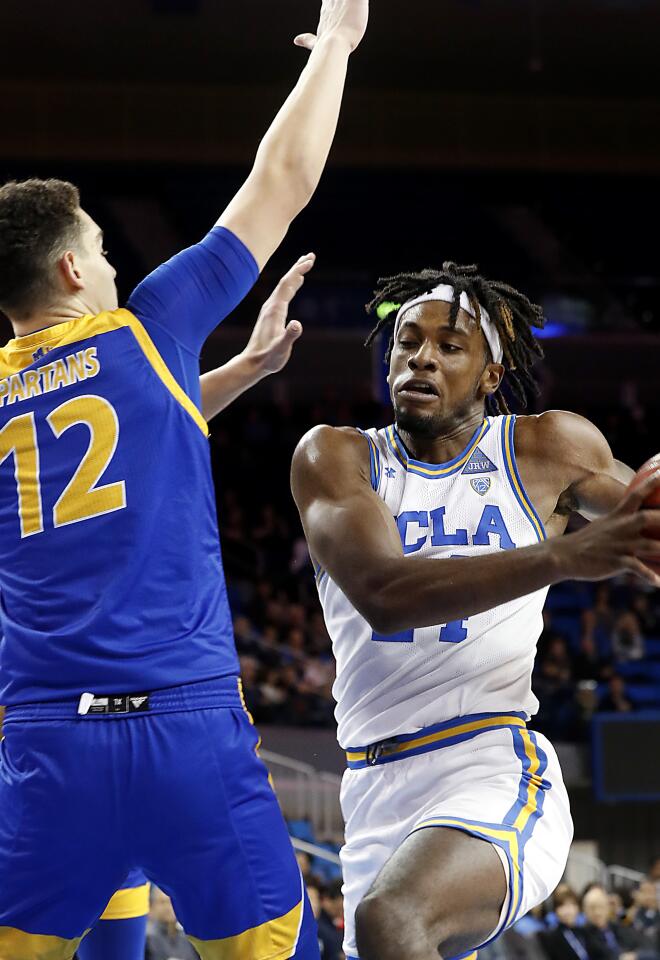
(176, 790)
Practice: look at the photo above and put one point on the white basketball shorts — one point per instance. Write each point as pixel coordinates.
(486, 775)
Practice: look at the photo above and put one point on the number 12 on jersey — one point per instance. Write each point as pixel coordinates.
(83, 497)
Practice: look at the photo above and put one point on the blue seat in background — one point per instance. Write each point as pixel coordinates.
(652, 647)
(301, 830)
(644, 694)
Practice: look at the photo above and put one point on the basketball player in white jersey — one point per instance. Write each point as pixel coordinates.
(435, 541)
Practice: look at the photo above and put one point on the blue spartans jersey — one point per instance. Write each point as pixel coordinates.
(111, 578)
(389, 685)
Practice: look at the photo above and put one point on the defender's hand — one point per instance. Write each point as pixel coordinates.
(272, 338)
(344, 18)
(619, 542)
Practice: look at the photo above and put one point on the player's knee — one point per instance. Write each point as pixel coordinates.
(386, 928)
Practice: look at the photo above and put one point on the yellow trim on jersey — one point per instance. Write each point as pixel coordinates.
(534, 782)
(430, 471)
(489, 723)
(272, 940)
(18, 945)
(513, 478)
(17, 354)
(127, 904)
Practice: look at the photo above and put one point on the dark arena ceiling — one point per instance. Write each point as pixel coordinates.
(469, 84)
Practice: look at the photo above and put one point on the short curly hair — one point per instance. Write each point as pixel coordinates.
(39, 219)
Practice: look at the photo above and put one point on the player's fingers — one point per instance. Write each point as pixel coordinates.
(307, 40)
(647, 547)
(292, 281)
(649, 521)
(636, 566)
(293, 330)
(635, 498)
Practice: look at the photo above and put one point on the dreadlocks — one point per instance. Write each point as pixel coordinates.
(512, 313)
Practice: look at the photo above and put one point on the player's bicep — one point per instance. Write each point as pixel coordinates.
(599, 481)
(260, 216)
(350, 531)
(190, 294)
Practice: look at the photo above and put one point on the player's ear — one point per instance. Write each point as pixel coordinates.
(70, 272)
(490, 379)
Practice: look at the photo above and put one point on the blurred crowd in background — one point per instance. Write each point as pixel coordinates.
(599, 651)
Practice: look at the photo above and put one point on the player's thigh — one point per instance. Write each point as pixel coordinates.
(221, 849)
(442, 886)
(57, 834)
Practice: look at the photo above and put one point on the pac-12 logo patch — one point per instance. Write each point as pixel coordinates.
(480, 485)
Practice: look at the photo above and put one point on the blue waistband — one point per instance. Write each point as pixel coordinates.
(219, 692)
(444, 734)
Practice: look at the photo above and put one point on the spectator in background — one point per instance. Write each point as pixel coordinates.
(645, 917)
(553, 685)
(165, 937)
(305, 864)
(615, 700)
(627, 639)
(331, 921)
(589, 663)
(606, 939)
(645, 613)
(567, 941)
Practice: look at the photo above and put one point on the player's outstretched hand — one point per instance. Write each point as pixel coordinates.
(346, 18)
(625, 541)
(273, 338)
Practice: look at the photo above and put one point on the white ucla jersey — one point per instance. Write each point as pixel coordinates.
(472, 505)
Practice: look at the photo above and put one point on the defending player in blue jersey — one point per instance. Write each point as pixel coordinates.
(126, 740)
(120, 933)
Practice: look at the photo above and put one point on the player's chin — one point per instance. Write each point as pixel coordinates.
(417, 419)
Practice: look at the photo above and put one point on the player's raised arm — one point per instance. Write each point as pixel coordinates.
(187, 297)
(352, 534)
(293, 153)
(268, 349)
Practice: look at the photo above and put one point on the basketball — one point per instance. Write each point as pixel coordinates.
(650, 467)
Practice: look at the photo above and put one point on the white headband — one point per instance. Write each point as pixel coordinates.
(445, 293)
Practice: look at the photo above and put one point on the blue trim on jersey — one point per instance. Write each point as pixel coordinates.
(430, 738)
(515, 482)
(524, 799)
(433, 471)
(374, 459)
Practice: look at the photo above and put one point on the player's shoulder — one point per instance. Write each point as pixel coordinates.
(326, 451)
(560, 436)
(323, 442)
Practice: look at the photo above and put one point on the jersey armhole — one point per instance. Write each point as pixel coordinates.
(374, 460)
(513, 476)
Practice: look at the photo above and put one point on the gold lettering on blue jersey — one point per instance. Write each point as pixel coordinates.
(52, 376)
(60, 375)
(16, 388)
(92, 365)
(32, 383)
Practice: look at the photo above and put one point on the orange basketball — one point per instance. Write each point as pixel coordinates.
(651, 466)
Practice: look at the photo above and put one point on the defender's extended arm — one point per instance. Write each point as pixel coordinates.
(293, 153)
(268, 349)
